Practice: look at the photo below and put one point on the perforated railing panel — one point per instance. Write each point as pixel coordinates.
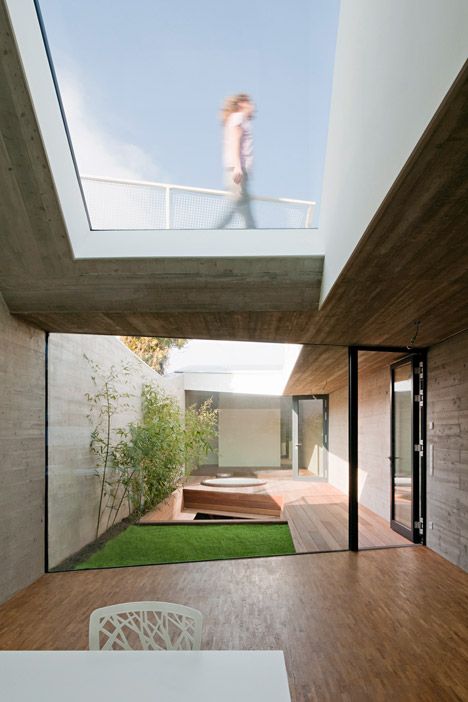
(127, 206)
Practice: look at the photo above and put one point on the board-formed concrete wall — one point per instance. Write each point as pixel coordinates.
(311, 451)
(73, 487)
(447, 438)
(22, 453)
(338, 439)
(374, 441)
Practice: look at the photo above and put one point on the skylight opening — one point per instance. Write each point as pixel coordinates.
(184, 118)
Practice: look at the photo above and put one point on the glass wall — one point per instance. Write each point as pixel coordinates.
(254, 432)
(125, 472)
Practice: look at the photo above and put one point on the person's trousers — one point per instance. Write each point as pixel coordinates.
(239, 202)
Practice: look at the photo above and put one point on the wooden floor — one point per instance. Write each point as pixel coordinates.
(386, 624)
(317, 514)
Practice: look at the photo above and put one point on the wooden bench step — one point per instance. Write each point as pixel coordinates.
(238, 502)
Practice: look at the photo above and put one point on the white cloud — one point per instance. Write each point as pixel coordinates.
(98, 152)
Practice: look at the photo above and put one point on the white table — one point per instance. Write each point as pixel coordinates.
(143, 676)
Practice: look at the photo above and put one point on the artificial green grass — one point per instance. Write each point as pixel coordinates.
(146, 545)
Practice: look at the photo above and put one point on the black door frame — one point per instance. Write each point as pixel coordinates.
(416, 530)
(353, 444)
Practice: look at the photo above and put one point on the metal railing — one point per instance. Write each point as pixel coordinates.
(114, 203)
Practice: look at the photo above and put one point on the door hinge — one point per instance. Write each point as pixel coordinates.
(419, 525)
(419, 447)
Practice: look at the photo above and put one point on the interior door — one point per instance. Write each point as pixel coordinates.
(310, 437)
(407, 447)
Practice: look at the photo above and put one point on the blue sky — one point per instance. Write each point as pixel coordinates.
(142, 83)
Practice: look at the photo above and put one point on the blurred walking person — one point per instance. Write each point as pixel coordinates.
(237, 115)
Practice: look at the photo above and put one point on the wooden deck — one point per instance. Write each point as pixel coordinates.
(317, 513)
(378, 626)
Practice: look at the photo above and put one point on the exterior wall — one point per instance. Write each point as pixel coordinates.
(374, 441)
(311, 436)
(73, 488)
(22, 453)
(447, 437)
(338, 439)
(447, 449)
(249, 437)
(395, 61)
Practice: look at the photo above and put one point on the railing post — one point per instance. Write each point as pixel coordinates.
(168, 207)
(310, 209)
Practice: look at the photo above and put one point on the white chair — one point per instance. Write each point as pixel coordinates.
(154, 626)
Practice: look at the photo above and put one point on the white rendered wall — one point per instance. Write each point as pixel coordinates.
(249, 437)
(239, 383)
(242, 367)
(395, 62)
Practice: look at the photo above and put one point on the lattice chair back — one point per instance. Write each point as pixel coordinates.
(154, 626)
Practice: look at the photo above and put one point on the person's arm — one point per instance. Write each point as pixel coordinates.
(236, 153)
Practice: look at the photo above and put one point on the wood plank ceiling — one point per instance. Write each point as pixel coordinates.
(321, 370)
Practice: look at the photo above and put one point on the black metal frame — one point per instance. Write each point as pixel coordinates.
(353, 446)
(53, 73)
(325, 433)
(407, 532)
(418, 428)
(423, 436)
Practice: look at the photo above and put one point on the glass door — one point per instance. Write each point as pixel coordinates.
(406, 447)
(310, 437)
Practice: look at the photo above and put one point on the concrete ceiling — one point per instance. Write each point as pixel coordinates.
(411, 262)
